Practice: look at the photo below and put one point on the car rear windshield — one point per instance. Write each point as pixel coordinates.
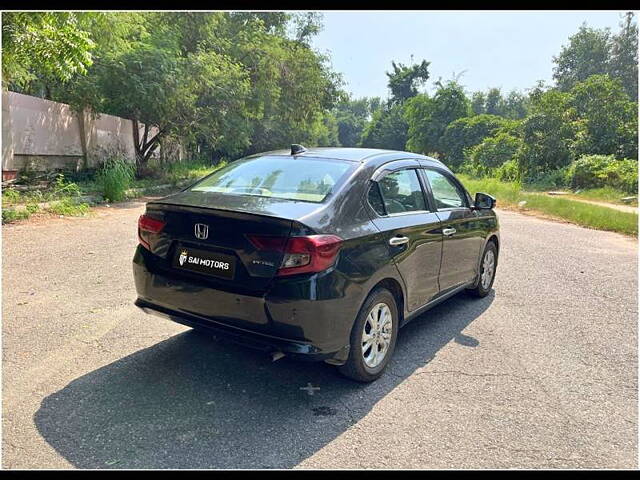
(304, 179)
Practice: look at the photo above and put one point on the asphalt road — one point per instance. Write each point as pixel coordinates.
(541, 373)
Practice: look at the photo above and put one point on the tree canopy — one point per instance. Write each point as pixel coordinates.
(234, 83)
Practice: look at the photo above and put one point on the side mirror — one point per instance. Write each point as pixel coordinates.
(484, 201)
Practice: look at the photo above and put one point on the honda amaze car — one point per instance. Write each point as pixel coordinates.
(318, 254)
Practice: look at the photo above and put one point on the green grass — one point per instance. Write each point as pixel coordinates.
(10, 215)
(69, 208)
(190, 171)
(587, 215)
(606, 194)
(114, 178)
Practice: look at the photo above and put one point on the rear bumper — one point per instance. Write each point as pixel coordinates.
(265, 343)
(289, 318)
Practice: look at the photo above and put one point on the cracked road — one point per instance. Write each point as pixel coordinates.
(541, 373)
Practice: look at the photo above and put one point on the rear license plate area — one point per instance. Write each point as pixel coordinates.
(202, 261)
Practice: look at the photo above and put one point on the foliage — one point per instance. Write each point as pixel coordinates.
(45, 44)
(11, 215)
(405, 80)
(114, 178)
(623, 62)
(190, 170)
(551, 180)
(352, 116)
(387, 129)
(429, 117)
(510, 194)
(10, 196)
(607, 194)
(547, 133)
(596, 52)
(68, 207)
(491, 153)
(225, 83)
(64, 188)
(596, 171)
(586, 54)
(513, 106)
(608, 120)
(467, 132)
(508, 171)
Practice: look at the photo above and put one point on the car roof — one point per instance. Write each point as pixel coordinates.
(362, 155)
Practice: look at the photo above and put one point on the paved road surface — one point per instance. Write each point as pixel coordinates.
(542, 373)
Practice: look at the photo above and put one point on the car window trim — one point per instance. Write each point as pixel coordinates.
(383, 172)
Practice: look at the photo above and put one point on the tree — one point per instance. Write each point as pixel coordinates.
(387, 129)
(224, 83)
(608, 119)
(428, 118)
(515, 105)
(623, 63)
(43, 44)
(547, 133)
(466, 132)
(352, 117)
(587, 54)
(483, 158)
(478, 102)
(405, 80)
(494, 102)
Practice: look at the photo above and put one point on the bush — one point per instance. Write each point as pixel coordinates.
(493, 152)
(559, 178)
(596, 171)
(10, 196)
(508, 171)
(63, 188)
(467, 132)
(115, 177)
(69, 208)
(10, 215)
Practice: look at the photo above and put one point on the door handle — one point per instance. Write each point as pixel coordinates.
(395, 241)
(448, 231)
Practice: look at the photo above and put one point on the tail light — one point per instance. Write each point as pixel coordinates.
(148, 225)
(308, 254)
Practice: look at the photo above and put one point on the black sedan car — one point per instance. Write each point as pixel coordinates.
(319, 254)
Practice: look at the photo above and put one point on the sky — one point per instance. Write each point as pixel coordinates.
(510, 50)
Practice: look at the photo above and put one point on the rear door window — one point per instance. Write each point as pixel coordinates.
(401, 192)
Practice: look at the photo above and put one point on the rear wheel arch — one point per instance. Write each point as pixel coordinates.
(395, 288)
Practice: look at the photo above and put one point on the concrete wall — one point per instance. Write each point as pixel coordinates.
(45, 135)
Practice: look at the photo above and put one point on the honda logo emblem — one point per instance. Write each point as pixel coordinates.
(201, 231)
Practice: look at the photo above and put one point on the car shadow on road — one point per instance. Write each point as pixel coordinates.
(196, 402)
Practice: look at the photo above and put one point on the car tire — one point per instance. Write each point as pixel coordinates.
(364, 364)
(489, 261)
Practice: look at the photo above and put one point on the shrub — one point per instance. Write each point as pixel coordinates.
(68, 207)
(508, 171)
(558, 178)
(63, 188)
(467, 132)
(596, 171)
(10, 196)
(115, 177)
(10, 215)
(486, 157)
